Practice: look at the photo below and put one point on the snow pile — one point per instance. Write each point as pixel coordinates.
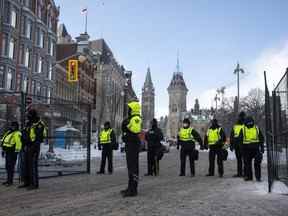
(279, 188)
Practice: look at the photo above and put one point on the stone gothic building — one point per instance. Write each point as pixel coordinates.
(148, 101)
(177, 103)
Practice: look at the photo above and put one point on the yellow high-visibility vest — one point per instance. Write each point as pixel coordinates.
(237, 129)
(12, 139)
(185, 134)
(213, 136)
(250, 135)
(40, 124)
(105, 136)
(135, 124)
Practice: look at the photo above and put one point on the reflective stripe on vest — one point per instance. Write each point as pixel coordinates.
(13, 140)
(213, 136)
(250, 135)
(32, 133)
(134, 125)
(237, 129)
(185, 134)
(105, 136)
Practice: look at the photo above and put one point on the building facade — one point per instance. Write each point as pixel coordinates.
(177, 103)
(148, 101)
(27, 44)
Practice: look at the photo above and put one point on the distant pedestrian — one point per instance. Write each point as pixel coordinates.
(252, 141)
(131, 129)
(215, 140)
(34, 134)
(106, 143)
(11, 145)
(187, 139)
(154, 137)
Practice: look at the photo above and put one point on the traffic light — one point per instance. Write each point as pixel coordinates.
(73, 71)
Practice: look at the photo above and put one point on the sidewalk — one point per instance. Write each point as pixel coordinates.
(167, 194)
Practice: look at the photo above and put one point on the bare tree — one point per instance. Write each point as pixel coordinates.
(254, 105)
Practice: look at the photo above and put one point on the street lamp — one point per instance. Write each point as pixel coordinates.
(237, 71)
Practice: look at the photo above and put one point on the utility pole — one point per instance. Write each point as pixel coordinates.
(237, 71)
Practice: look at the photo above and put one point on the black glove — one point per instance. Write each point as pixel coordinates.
(100, 147)
(177, 147)
(231, 148)
(262, 150)
(202, 147)
(3, 154)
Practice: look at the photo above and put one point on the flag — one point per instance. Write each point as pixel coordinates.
(84, 11)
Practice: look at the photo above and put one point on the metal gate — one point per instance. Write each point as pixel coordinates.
(67, 149)
(277, 131)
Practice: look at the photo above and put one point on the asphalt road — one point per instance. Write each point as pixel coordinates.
(166, 195)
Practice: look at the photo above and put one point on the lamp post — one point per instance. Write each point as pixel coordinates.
(237, 71)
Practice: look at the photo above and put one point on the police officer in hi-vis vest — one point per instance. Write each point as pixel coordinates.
(106, 143)
(252, 142)
(235, 143)
(215, 140)
(131, 128)
(11, 145)
(33, 135)
(187, 137)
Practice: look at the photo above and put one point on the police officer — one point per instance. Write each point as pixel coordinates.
(33, 135)
(253, 147)
(154, 137)
(11, 145)
(235, 143)
(187, 137)
(106, 143)
(214, 140)
(131, 128)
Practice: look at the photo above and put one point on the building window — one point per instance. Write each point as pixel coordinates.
(40, 65)
(28, 29)
(9, 79)
(27, 57)
(51, 47)
(24, 84)
(13, 18)
(50, 71)
(38, 89)
(11, 48)
(4, 44)
(41, 39)
(2, 76)
(33, 87)
(28, 3)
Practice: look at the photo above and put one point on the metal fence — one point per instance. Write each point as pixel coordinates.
(67, 149)
(277, 131)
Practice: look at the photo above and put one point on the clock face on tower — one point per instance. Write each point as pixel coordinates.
(146, 89)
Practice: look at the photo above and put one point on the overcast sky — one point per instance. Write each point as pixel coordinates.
(211, 36)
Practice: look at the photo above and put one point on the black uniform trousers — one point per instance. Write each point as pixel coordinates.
(213, 152)
(249, 155)
(31, 174)
(132, 157)
(239, 157)
(107, 153)
(183, 155)
(10, 162)
(153, 162)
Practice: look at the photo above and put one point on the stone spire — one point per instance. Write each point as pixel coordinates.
(177, 81)
(148, 81)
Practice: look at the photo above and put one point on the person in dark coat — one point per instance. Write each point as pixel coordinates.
(252, 141)
(187, 137)
(154, 137)
(11, 145)
(131, 128)
(106, 143)
(235, 143)
(215, 140)
(33, 135)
